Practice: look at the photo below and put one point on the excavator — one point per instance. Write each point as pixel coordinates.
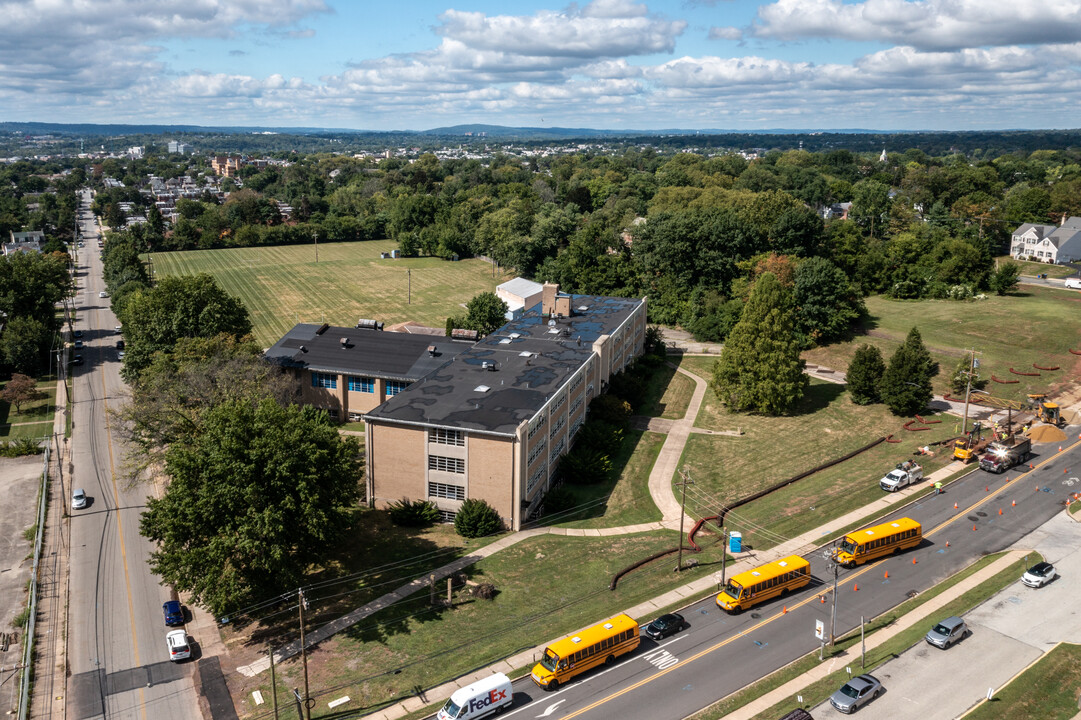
(972, 445)
(1048, 412)
(969, 447)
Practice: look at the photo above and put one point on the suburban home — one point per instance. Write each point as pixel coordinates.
(24, 241)
(492, 421)
(349, 371)
(1048, 243)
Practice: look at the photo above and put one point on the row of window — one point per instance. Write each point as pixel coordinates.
(536, 452)
(889, 540)
(558, 426)
(329, 381)
(601, 646)
(446, 464)
(557, 450)
(537, 425)
(534, 479)
(784, 579)
(446, 492)
(442, 436)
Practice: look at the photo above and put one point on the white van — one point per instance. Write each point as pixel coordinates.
(484, 697)
(1073, 283)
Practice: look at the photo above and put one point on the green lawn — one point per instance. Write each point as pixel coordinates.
(283, 285)
(412, 646)
(1047, 690)
(1036, 268)
(669, 394)
(726, 468)
(36, 418)
(1035, 326)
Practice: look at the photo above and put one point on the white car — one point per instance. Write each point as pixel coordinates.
(1039, 575)
(103, 294)
(177, 642)
(1073, 283)
(78, 499)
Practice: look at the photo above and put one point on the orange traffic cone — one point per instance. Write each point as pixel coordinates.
(1060, 448)
(987, 488)
(973, 528)
(913, 561)
(784, 610)
(947, 543)
(856, 587)
(823, 599)
(1000, 511)
(1013, 504)
(955, 506)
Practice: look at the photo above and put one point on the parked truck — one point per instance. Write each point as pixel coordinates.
(905, 474)
(1004, 454)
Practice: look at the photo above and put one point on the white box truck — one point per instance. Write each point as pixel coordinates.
(484, 697)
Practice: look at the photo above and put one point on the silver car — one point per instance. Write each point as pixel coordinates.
(947, 632)
(78, 499)
(856, 693)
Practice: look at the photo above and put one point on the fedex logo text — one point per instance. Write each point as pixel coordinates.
(494, 696)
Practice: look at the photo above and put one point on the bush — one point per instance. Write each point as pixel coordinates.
(413, 513)
(559, 499)
(585, 466)
(20, 447)
(610, 409)
(600, 435)
(476, 518)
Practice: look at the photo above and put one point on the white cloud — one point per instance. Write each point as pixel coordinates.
(924, 24)
(725, 33)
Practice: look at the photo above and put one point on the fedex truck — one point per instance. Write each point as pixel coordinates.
(485, 697)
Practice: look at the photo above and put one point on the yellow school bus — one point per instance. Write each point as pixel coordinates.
(597, 645)
(755, 586)
(861, 546)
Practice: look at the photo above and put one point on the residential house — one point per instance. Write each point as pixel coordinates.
(24, 241)
(1048, 243)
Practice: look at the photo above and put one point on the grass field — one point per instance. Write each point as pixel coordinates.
(36, 418)
(412, 646)
(1036, 268)
(1035, 326)
(283, 285)
(1046, 690)
(726, 468)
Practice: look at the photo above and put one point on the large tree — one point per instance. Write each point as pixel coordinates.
(26, 344)
(261, 494)
(176, 390)
(906, 384)
(864, 375)
(486, 312)
(760, 369)
(827, 301)
(179, 307)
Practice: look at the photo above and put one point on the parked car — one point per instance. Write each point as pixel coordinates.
(856, 693)
(1073, 283)
(1039, 575)
(103, 294)
(119, 344)
(119, 354)
(78, 499)
(174, 613)
(76, 359)
(177, 642)
(665, 625)
(117, 328)
(78, 344)
(947, 632)
(78, 333)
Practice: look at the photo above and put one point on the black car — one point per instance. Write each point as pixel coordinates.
(119, 344)
(665, 625)
(174, 613)
(77, 360)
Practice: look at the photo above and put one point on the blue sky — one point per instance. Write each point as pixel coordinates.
(725, 64)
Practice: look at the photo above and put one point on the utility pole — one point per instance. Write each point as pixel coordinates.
(686, 478)
(968, 387)
(409, 287)
(833, 611)
(273, 685)
(315, 237)
(724, 555)
(304, 655)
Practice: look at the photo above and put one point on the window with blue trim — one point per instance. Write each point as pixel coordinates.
(361, 384)
(324, 380)
(395, 386)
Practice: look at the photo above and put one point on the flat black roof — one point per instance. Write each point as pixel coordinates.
(528, 362)
(369, 353)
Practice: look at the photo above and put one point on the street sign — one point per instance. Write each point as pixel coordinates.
(820, 630)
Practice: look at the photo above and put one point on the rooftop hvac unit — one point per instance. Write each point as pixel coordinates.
(462, 334)
(322, 328)
(366, 324)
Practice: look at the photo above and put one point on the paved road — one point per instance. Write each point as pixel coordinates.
(1009, 631)
(119, 665)
(722, 653)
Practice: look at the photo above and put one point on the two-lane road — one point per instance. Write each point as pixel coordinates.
(119, 665)
(721, 653)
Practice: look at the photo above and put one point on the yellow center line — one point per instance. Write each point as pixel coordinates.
(850, 576)
(120, 533)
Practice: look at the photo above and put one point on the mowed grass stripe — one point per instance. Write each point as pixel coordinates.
(282, 285)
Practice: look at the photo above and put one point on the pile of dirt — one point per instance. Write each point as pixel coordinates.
(1046, 434)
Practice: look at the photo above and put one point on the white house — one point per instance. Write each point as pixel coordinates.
(1048, 243)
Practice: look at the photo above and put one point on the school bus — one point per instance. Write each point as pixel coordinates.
(871, 543)
(758, 585)
(597, 645)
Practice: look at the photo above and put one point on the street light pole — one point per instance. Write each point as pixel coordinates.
(682, 513)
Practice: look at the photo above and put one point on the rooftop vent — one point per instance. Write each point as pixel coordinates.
(515, 336)
(488, 365)
(344, 342)
(525, 353)
(322, 328)
(505, 341)
(583, 308)
(431, 350)
(481, 388)
(303, 349)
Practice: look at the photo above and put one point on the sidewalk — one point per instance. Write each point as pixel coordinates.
(673, 598)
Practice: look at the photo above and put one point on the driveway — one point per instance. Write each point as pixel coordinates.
(1009, 631)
